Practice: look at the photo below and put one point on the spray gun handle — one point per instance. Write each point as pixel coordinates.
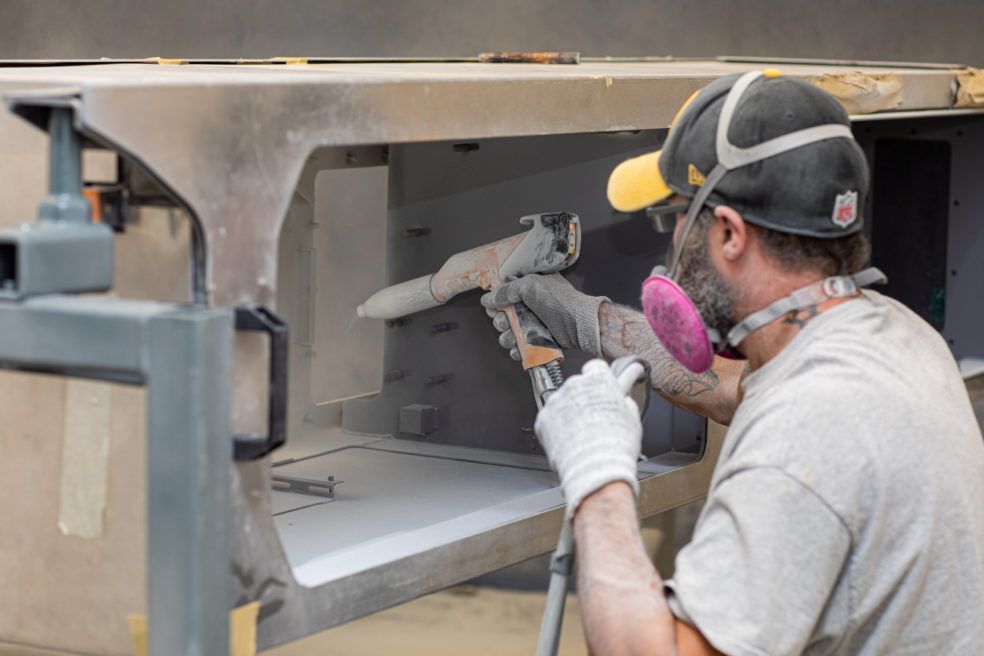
(535, 343)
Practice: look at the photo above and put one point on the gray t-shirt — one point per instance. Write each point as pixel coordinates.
(846, 512)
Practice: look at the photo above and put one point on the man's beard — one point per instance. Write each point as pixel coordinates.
(703, 283)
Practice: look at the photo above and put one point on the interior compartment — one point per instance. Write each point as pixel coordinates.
(425, 421)
(926, 230)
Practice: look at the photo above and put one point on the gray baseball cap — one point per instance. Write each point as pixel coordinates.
(785, 158)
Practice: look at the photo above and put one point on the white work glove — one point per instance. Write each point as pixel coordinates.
(569, 315)
(591, 431)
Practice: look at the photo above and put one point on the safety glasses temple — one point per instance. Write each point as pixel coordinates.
(663, 217)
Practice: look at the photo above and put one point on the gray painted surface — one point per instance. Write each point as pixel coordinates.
(386, 493)
(965, 236)
(901, 30)
(468, 198)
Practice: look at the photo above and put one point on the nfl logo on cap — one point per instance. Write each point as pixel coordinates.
(846, 208)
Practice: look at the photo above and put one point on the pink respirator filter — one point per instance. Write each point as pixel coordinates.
(677, 323)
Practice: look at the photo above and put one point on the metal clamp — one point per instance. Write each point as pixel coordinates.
(250, 446)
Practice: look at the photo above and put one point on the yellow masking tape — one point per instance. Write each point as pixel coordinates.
(242, 631)
(862, 93)
(291, 61)
(970, 88)
(138, 629)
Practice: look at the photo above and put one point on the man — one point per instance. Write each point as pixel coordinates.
(846, 511)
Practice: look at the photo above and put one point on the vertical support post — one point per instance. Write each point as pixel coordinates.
(188, 356)
(64, 201)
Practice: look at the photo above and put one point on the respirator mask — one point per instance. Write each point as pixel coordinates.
(670, 311)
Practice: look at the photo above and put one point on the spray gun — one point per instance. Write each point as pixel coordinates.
(552, 244)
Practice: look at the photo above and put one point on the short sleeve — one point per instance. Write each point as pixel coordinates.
(764, 561)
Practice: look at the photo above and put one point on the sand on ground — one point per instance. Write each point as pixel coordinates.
(463, 620)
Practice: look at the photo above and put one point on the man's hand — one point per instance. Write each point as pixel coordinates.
(569, 315)
(591, 433)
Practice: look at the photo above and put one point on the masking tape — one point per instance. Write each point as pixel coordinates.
(85, 458)
(862, 93)
(970, 88)
(138, 629)
(242, 631)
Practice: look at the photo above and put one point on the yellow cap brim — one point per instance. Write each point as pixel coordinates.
(637, 183)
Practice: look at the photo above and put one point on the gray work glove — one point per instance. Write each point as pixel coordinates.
(570, 316)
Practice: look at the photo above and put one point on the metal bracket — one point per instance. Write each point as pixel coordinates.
(47, 257)
(63, 252)
(250, 446)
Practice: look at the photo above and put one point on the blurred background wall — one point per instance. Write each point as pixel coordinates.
(888, 30)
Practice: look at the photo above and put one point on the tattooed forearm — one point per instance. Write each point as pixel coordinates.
(714, 394)
(624, 331)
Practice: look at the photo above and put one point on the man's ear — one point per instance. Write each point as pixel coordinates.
(733, 232)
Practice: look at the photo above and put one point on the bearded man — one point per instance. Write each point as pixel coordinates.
(846, 510)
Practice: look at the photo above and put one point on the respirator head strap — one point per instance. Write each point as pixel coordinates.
(733, 157)
(804, 297)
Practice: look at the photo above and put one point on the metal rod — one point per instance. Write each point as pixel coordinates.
(547, 379)
(65, 171)
(561, 567)
(562, 562)
(64, 201)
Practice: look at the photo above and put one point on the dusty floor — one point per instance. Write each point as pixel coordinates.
(465, 620)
